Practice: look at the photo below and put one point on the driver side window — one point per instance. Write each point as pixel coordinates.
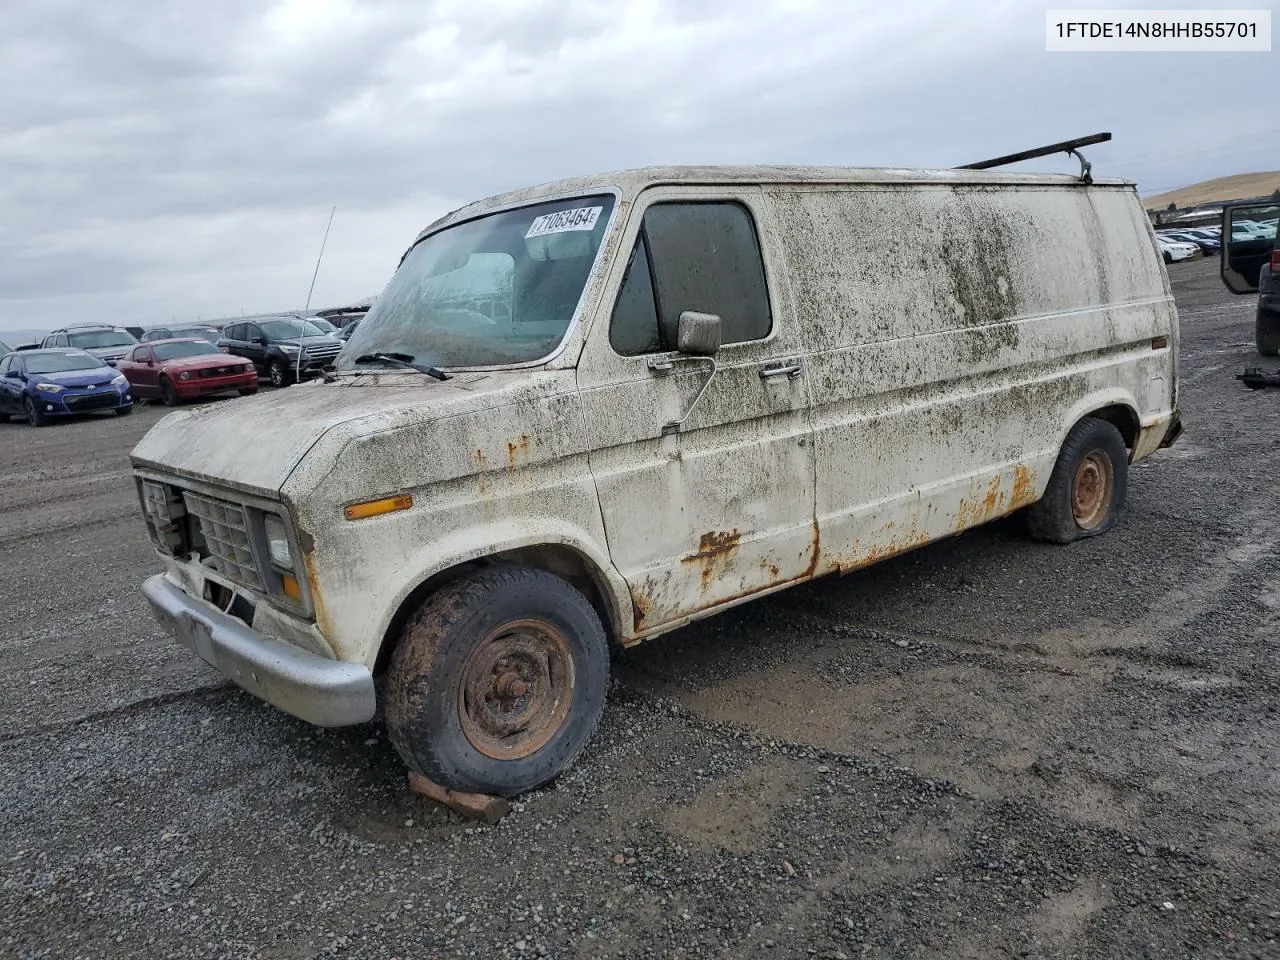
(701, 256)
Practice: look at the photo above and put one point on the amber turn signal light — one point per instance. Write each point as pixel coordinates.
(291, 589)
(375, 508)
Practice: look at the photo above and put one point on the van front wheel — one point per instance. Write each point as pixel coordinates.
(1087, 487)
(498, 681)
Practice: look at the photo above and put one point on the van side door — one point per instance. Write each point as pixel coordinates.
(704, 466)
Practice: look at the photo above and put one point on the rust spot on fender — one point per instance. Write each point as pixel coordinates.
(641, 607)
(1024, 487)
(317, 601)
(480, 459)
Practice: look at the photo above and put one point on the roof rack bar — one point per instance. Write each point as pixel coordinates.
(1066, 146)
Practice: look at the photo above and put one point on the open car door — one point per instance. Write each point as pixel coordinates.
(1248, 238)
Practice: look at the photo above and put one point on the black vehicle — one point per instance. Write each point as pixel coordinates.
(1251, 263)
(286, 349)
(345, 333)
(212, 334)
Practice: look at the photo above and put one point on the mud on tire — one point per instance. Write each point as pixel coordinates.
(498, 681)
(1087, 487)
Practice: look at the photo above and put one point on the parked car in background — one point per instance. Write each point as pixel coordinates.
(285, 350)
(1207, 245)
(1174, 250)
(177, 370)
(328, 326)
(135, 332)
(211, 334)
(104, 341)
(345, 333)
(1251, 263)
(45, 383)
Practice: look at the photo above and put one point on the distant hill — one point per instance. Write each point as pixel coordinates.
(1211, 191)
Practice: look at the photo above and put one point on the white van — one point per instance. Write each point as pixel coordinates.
(587, 413)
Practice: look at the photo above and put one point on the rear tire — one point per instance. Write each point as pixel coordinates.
(168, 393)
(1267, 332)
(34, 416)
(1087, 487)
(498, 681)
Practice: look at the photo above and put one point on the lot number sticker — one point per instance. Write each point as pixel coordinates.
(579, 218)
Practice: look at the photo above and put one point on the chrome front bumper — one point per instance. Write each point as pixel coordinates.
(328, 693)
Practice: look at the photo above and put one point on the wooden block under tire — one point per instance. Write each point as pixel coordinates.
(477, 806)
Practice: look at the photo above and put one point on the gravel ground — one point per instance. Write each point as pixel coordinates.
(986, 748)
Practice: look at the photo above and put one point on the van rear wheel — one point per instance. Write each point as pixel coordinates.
(1087, 487)
(498, 681)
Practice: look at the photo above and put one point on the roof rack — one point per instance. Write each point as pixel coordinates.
(1066, 146)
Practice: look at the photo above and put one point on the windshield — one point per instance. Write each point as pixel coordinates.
(171, 351)
(62, 362)
(497, 290)
(100, 338)
(290, 329)
(322, 324)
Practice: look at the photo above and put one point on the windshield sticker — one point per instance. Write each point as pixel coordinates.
(580, 218)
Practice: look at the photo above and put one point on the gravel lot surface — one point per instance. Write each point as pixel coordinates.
(986, 748)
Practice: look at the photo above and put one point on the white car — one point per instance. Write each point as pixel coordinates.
(1173, 250)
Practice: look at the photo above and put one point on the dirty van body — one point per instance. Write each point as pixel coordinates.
(665, 392)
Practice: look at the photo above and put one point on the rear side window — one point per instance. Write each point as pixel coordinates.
(691, 256)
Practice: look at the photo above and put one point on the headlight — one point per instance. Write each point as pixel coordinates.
(185, 375)
(288, 349)
(278, 542)
(119, 378)
(49, 387)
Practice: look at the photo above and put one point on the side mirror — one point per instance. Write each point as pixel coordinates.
(1248, 237)
(263, 341)
(150, 362)
(699, 333)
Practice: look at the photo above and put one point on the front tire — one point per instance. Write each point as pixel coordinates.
(1087, 487)
(498, 681)
(34, 416)
(168, 393)
(277, 374)
(1267, 332)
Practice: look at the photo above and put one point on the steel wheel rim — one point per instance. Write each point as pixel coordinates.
(1092, 490)
(516, 689)
(277, 375)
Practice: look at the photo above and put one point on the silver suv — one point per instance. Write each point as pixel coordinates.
(104, 341)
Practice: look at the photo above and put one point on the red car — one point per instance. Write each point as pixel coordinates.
(183, 369)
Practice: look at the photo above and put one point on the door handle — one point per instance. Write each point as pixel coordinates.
(790, 370)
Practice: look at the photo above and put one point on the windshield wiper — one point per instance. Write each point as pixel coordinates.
(402, 360)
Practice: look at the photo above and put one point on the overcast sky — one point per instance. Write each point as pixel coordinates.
(178, 158)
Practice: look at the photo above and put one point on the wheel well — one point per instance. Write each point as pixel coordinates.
(1123, 418)
(557, 559)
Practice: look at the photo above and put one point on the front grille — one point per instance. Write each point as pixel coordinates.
(225, 530)
(107, 400)
(218, 371)
(323, 352)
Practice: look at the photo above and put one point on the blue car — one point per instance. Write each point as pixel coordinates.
(39, 384)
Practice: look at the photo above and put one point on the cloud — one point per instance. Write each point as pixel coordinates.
(178, 159)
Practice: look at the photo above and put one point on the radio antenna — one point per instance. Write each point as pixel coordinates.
(302, 321)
